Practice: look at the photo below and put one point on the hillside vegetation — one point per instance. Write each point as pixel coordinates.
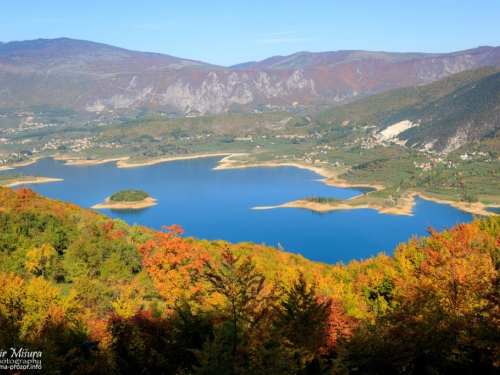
(380, 108)
(449, 112)
(129, 196)
(233, 124)
(467, 114)
(143, 301)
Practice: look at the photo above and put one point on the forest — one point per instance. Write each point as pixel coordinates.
(97, 296)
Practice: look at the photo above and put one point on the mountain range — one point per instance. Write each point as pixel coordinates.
(94, 77)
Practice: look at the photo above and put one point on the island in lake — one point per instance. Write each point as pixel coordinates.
(126, 200)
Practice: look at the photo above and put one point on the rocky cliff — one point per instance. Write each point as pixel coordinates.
(95, 77)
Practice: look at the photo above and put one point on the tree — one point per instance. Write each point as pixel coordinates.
(140, 343)
(12, 295)
(304, 322)
(39, 260)
(245, 312)
(242, 288)
(175, 266)
(441, 320)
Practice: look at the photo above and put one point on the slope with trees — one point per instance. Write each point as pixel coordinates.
(97, 295)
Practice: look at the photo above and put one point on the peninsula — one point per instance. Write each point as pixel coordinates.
(10, 180)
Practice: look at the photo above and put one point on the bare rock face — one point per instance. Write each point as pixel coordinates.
(95, 77)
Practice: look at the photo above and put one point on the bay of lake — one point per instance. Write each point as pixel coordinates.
(217, 204)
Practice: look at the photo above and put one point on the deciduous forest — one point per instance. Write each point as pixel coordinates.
(98, 296)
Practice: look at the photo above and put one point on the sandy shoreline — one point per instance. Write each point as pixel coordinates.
(32, 180)
(331, 177)
(227, 163)
(148, 202)
(476, 208)
(404, 206)
(70, 161)
(122, 164)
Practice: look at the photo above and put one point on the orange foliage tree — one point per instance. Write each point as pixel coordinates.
(339, 327)
(175, 266)
(442, 310)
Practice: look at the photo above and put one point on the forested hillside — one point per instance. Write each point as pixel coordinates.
(379, 108)
(98, 296)
(444, 115)
(467, 114)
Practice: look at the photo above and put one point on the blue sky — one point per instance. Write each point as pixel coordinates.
(231, 32)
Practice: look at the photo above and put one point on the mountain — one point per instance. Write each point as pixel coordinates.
(89, 76)
(325, 60)
(440, 116)
(467, 114)
(379, 108)
(243, 65)
(68, 55)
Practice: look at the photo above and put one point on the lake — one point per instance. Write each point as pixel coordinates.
(217, 204)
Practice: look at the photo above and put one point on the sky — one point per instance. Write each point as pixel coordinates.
(231, 32)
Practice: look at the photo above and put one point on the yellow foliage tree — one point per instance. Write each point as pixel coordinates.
(42, 304)
(12, 294)
(39, 260)
(129, 301)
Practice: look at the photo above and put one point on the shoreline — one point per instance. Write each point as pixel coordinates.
(71, 161)
(148, 202)
(122, 164)
(330, 178)
(33, 180)
(405, 208)
(476, 208)
(21, 164)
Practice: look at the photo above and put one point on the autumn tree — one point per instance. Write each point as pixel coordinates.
(140, 343)
(12, 295)
(441, 313)
(35, 315)
(303, 323)
(175, 266)
(39, 260)
(245, 311)
(128, 298)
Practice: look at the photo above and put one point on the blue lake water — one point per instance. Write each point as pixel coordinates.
(218, 205)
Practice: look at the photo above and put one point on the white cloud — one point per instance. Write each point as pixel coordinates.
(278, 33)
(284, 40)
